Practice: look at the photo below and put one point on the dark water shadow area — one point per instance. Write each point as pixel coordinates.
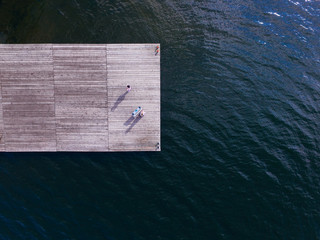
(76, 159)
(119, 100)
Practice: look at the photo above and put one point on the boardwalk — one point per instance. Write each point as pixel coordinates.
(72, 97)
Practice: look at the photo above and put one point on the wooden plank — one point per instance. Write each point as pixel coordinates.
(72, 97)
(81, 97)
(138, 66)
(2, 132)
(27, 94)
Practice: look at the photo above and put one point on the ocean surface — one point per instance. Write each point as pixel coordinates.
(240, 159)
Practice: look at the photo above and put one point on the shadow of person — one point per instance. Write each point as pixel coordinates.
(130, 119)
(133, 124)
(119, 100)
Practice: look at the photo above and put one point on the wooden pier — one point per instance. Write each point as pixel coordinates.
(72, 97)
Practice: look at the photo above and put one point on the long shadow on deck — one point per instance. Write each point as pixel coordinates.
(133, 123)
(128, 121)
(119, 100)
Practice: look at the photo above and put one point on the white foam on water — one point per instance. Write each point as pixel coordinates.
(275, 13)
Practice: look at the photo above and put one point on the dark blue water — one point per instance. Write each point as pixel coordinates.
(240, 153)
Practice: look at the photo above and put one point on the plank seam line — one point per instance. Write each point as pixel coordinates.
(54, 99)
(107, 97)
(159, 98)
(3, 137)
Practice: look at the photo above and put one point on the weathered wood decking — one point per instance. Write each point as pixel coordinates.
(72, 97)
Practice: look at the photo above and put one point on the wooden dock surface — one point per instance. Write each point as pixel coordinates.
(72, 97)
